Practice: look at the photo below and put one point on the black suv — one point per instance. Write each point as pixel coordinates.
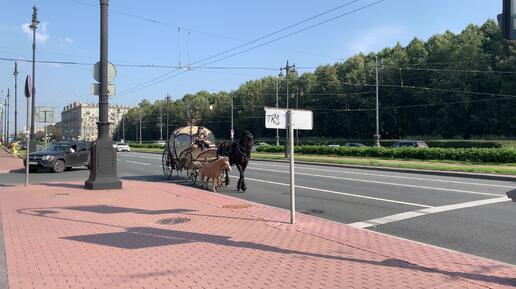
(60, 156)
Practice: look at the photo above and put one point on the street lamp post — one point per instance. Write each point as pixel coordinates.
(103, 174)
(8, 113)
(33, 26)
(15, 73)
(118, 123)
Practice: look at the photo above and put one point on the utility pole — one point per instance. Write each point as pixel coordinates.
(123, 127)
(4, 118)
(8, 114)
(161, 123)
(140, 127)
(298, 94)
(288, 68)
(103, 173)
(15, 73)
(168, 108)
(33, 26)
(277, 105)
(232, 132)
(377, 135)
(2, 109)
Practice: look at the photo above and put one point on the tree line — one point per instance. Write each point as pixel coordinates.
(452, 86)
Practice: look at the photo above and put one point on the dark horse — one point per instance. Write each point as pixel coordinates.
(239, 154)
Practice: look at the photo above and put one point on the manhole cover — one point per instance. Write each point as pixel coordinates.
(316, 211)
(173, 221)
(60, 194)
(312, 212)
(236, 206)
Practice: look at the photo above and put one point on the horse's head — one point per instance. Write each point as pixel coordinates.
(247, 140)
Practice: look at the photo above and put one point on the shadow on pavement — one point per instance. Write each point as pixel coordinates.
(148, 237)
(63, 185)
(103, 209)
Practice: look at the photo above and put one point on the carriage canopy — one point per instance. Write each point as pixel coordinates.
(183, 137)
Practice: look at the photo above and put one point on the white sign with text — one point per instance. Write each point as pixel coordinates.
(276, 118)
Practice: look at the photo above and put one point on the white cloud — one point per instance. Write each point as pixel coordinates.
(378, 38)
(42, 35)
(68, 40)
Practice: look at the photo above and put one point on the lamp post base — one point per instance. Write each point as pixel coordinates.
(103, 174)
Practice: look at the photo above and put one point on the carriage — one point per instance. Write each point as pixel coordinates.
(182, 155)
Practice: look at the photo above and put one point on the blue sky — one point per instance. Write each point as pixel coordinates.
(69, 31)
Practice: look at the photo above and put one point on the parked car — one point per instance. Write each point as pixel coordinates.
(354, 145)
(161, 142)
(410, 143)
(60, 156)
(122, 147)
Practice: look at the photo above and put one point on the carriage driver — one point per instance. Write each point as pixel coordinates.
(201, 139)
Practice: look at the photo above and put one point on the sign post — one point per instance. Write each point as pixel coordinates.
(291, 119)
(28, 93)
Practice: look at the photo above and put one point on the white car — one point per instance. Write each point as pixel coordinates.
(122, 147)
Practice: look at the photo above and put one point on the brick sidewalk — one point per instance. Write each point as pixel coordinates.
(161, 235)
(8, 162)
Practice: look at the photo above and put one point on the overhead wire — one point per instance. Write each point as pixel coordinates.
(170, 75)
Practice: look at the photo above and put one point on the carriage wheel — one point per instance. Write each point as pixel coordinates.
(193, 174)
(166, 163)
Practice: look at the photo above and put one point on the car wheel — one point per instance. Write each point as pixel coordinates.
(59, 166)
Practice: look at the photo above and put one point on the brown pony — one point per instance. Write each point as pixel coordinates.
(213, 171)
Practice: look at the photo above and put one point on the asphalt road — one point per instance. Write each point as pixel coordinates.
(463, 214)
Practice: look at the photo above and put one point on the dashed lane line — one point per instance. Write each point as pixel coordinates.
(337, 193)
(139, 163)
(424, 212)
(384, 183)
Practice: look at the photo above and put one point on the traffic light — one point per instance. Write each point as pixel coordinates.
(507, 20)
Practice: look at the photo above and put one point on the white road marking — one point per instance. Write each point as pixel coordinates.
(141, 157)
(390, 176)
(139, 163)
(337, 193)
(423, 212)
(384, 183)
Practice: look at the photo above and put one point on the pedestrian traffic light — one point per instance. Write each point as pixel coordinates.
(507, 20)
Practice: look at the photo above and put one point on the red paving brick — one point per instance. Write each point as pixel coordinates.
(61, 236)
(9, 162)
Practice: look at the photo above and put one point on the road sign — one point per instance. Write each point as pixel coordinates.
(28, 86)
(111, 72)
(45, 114)
(95, 89)
(291, 119)
(277, 118)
